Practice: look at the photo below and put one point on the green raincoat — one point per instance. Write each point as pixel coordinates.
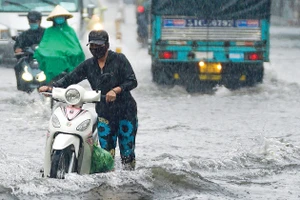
(58, 51)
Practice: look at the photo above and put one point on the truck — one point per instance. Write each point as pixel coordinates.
(204, 43)
(13, 19)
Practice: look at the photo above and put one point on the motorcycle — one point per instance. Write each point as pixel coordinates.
(28, 75)
(142, 20)
(72, 135)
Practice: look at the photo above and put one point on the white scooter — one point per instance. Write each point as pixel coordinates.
(72, 132)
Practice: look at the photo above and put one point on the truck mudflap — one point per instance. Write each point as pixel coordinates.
(207, 75)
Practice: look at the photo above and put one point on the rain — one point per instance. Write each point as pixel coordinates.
(226, 144)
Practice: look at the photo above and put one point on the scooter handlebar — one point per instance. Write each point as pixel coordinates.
(47, 94)
(19, 54)
(103, 97)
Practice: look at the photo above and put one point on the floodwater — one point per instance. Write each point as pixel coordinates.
(241, 144)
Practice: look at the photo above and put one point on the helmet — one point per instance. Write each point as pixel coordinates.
(34, 16)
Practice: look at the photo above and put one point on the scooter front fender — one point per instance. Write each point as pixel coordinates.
(61, 141)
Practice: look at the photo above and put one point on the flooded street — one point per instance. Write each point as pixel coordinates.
(242, 144)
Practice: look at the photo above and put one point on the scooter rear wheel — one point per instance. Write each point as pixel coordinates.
(60, 163)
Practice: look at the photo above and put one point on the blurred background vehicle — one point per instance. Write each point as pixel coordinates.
(13, 19)
(128, 1)
(213, 43)
(142, 20)
(28, 75)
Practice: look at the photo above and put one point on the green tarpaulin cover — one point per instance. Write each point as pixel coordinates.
(102, 160)
(214, 9)
(59, 51)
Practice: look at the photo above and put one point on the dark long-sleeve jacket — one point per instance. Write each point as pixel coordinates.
(117, 71)
(29, 38)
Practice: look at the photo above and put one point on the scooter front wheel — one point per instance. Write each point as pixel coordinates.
(61, 162)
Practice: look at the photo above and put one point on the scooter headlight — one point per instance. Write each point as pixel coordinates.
(26, 76)
(83, 126)
(72, 96)
(55, 121)
(40, 77)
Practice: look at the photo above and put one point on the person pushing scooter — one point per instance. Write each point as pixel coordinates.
(112, 74)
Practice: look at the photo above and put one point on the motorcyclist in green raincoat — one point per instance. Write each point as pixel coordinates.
(59, 50)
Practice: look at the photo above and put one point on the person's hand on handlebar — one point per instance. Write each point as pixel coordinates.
(18, 50)
(45, 88)
(111, 96)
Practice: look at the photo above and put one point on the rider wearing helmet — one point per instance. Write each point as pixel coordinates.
(28, 38)
(31, 36)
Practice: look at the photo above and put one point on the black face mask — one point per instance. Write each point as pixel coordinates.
(99, 52)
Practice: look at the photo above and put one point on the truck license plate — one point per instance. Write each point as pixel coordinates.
(236, 56)
(204, 55)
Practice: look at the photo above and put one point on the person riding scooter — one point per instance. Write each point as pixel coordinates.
(30, 37)
(60, 50)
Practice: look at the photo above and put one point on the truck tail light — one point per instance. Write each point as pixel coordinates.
(167, 55)
(140, 9)
(254, 56)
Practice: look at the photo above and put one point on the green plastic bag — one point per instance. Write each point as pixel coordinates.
(102, 160)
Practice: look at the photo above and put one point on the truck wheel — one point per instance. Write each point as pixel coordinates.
(256, 76)
(233, 85)
(192, 84)
(161, 75)
(60, 163)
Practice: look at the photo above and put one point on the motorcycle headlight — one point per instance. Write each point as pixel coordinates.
(83, 126)
(40, 77)
(27, 76)
(55, 121)
(72, 96)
